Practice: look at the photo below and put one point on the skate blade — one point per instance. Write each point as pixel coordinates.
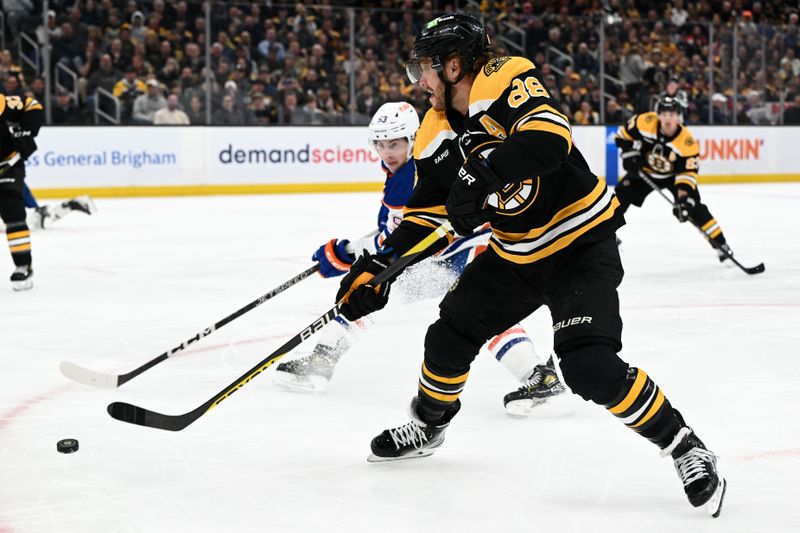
(714, 505)
(523, 408)
(299, 384)
(22, 285)
(372, 458)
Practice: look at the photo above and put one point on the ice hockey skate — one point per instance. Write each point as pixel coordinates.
(536, 390)
(310, 374)
(697, 468)
(412, 440)
(22, 278)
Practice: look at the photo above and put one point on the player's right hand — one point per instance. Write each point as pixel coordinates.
(632, 161)
(357, 296)
(333, 258)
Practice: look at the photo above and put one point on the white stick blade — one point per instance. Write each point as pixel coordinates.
(85, 376)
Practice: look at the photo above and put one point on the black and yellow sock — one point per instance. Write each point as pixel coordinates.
(437, 393)
(19, 242)
(642, 406)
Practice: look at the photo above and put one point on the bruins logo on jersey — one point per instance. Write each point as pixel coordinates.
(514, 198)
(659, 163)
(494, 64)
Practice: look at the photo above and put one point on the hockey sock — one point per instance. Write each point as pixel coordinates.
(642, 406)
(515, 351)
(438, 393)
(713, 232)
(19, 242)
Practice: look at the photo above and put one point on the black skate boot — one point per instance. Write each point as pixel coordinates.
(540, 386)
(22, 278)
(697, 468)
(415, 439)
(312, 372)
(84, 204)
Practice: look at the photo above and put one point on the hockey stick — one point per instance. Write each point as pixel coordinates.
(112, 381)
(144, 417)
(758, 269)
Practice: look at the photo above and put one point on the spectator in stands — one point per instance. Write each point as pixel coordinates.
(138, 29)
(792, 114)
(586, 115)
(7, 65)
(16, 11)
(65, 111)
(105, 77)
(171, 114)
(146, 105)
(290, 112)
(68, 48)
(719, 113)
(584, 62)
(631, 71)
(227, 115)
(196, 112)
(755, 112)
(36, 89)
(11, 87)
(127, 90)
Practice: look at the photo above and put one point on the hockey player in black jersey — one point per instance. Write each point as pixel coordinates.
(499, 150)
(657, 145)
(20, 120)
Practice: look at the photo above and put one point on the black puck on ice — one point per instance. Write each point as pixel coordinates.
(67, 446)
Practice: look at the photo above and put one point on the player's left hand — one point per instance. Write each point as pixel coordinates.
(333, 258)
(466, 204)
(358, 296)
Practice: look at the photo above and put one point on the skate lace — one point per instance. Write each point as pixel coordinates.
(691, 466)
(411, 433)
(534, 381)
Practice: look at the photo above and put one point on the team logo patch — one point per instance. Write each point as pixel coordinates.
(514, 198)
(494, 64)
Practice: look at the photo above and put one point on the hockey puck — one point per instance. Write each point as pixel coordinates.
(67, 446)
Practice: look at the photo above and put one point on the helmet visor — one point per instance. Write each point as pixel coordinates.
(414, 70)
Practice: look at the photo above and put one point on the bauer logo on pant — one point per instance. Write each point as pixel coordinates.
(571, 322)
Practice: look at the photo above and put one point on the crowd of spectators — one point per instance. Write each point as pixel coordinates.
(291, 64)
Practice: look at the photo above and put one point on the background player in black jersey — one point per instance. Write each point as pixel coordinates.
(501, 151)
(20, 120)
(658, 145)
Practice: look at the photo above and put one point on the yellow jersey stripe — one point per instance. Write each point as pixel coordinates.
(20, 248)
(623, 132)
(566, 212)
(561, 243)
(638, 385)
(490, 87)
(18, 234)
(540, 109)
(557, 129)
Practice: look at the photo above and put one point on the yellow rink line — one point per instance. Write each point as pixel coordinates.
(305, 188)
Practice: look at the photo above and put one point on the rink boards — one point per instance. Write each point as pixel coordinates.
(166, 161)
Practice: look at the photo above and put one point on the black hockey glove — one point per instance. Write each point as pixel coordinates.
(466, 204)
(684, 206)
(632, 161)
(25, 143)
(356, 292)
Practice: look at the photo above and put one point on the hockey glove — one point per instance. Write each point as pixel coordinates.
(466, 204)
(357, 295)
(25, 143)
(684, 206)
(631, 161)
(333, 258)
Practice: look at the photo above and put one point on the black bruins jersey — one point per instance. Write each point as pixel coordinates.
(664, 157)
(552, 199)
(24, 115)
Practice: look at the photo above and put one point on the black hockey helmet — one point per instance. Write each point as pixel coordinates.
(668, 103)
(452, 33)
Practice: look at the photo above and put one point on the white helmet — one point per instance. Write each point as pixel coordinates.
(394, 120)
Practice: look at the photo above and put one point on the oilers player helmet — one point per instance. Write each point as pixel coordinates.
(394, 120)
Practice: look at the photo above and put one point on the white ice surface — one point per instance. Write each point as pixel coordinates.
(115, 290)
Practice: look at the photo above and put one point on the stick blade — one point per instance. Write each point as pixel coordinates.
(140, 416)
(88, 377)
(758, 269)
